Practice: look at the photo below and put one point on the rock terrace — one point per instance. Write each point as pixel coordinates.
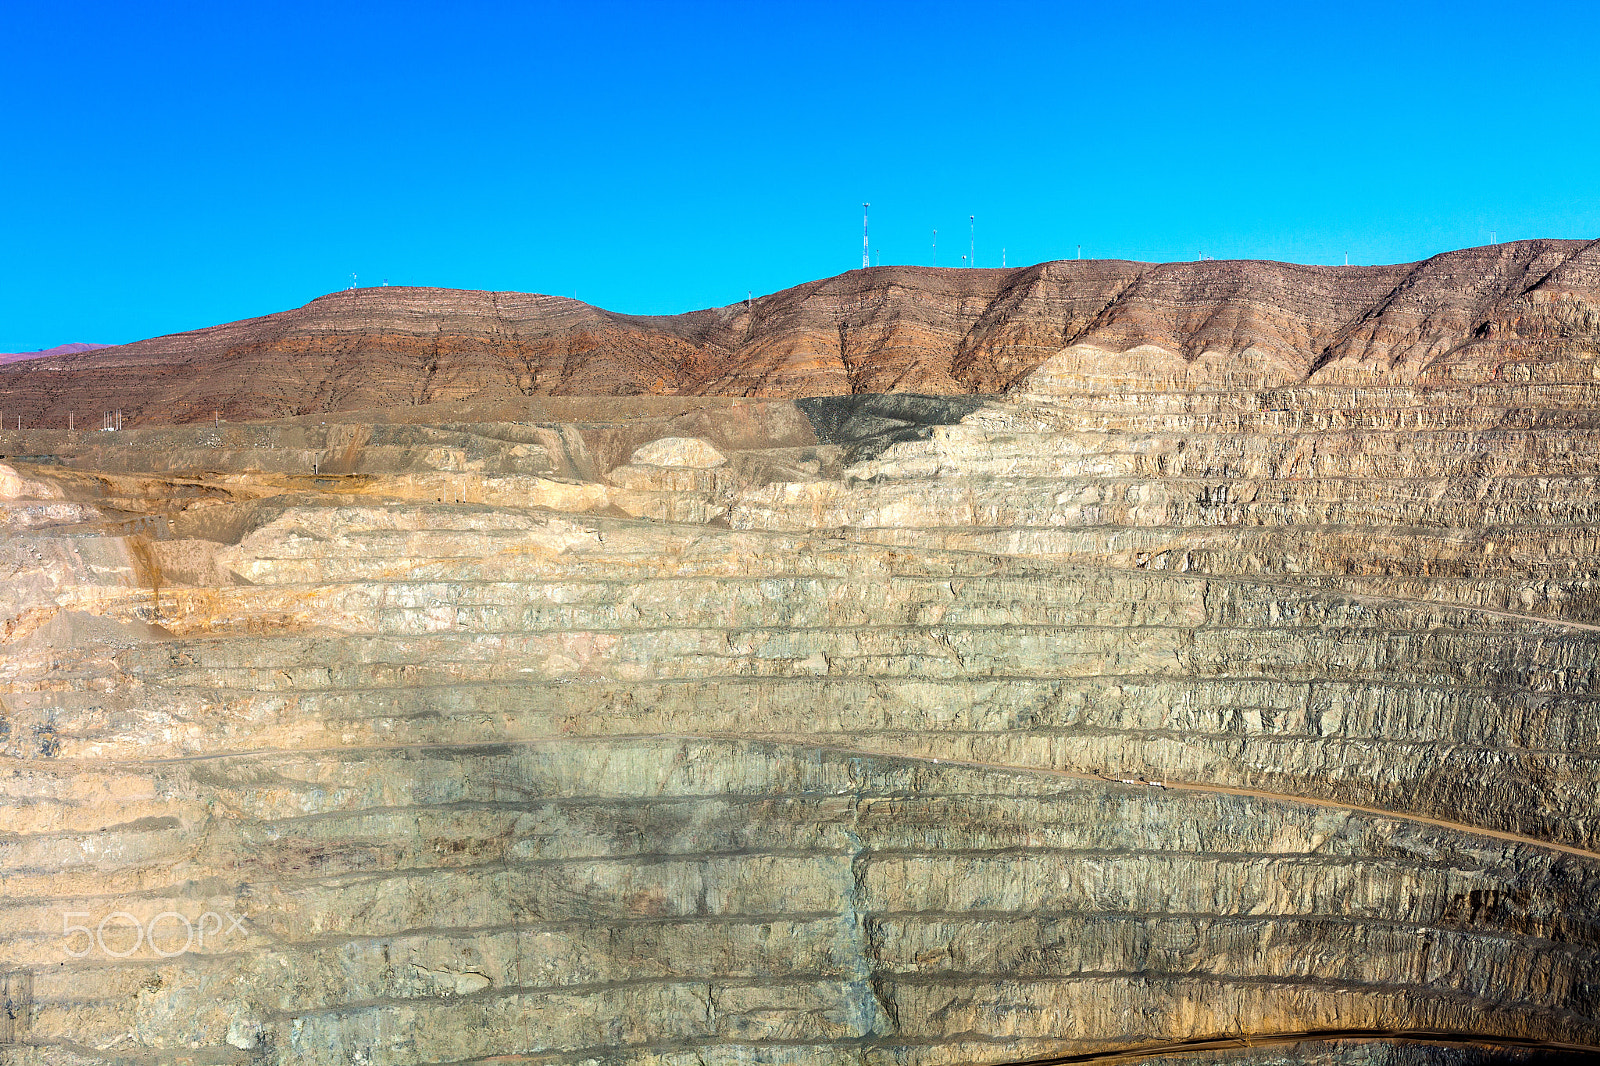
(1210, 678)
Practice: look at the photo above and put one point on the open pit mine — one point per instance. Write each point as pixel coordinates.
(1091, 662)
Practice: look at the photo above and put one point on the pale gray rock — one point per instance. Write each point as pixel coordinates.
(1111, 716)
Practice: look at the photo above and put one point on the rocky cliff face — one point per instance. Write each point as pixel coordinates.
(1153, 709)
(1466, 316)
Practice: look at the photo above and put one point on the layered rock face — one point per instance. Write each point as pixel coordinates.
(1125, 713)
(1460, 317)
(46, 353)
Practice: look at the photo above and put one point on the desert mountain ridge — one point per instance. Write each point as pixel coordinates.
(45, 353)
(1459, 316)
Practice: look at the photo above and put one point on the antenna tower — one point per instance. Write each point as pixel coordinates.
(972, 241)
(864, 260)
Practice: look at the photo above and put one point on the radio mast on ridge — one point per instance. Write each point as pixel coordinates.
(864, 260)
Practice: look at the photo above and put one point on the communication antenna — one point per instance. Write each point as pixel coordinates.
(1080, 251)
(865, 262)
(1347, 259)
(1492, 236)
(1002, 257)
(972, 241)
(935, 247)
(352, 281)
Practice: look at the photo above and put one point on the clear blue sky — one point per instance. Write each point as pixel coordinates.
(172, 166)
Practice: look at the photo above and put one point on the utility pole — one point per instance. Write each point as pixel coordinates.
(865, 262)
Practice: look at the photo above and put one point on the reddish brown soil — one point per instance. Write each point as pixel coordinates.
(884, 329)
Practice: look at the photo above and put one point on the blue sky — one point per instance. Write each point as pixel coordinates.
(170, 166)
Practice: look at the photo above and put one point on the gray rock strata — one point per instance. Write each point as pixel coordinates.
(1091, 722)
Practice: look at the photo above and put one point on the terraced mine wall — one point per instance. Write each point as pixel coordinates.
(1110, 718)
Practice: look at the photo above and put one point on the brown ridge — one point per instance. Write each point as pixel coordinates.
(883, 329)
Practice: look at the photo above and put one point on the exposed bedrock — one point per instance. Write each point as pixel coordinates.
(1508, 313)
(1118, 713)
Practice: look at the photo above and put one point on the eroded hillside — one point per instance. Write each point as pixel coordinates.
(1224, 689)
(1463, 316)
